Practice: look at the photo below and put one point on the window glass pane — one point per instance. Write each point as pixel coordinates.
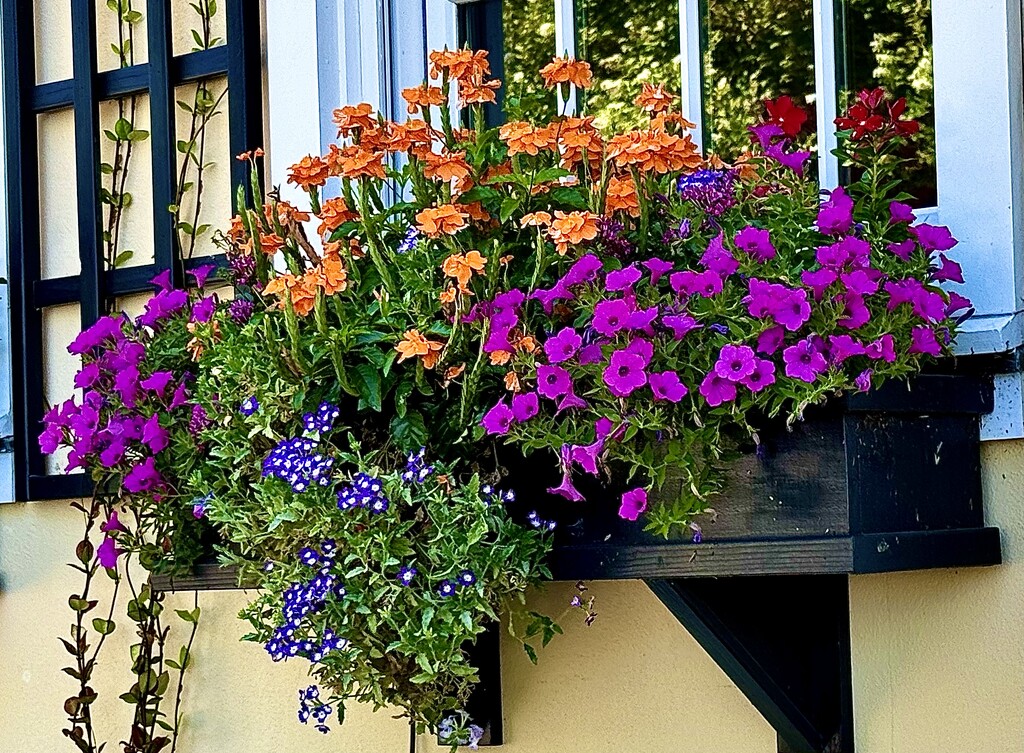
(529, 43)
(753, 50)
(627, 43)
(888, 43)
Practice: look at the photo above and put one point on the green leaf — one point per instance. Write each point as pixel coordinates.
(138, 135)
(508, 206)
(366, 380)
(409, 431)
(123, 258)
(122, 128)
(133, 16)
(551, 173)
(103, 627)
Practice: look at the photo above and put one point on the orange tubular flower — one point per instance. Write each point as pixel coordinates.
(413, 345)
(462, 65)
(536, 219)
(309, 172)
(462, 266)
(654, 99)
(478, 93)
(476, 212)
(621, 195)
(523, 138)
(422, 97)
(301, 290)
(354, 162)
(333, 214)
(351, 117)
(567, 71)
(572, 228)
(654, 150)
(331, 274)
(271, 244)
(578, 136)
(446, 166)
(443, 220)
(236, 232)
(286, 213)
(512, 382)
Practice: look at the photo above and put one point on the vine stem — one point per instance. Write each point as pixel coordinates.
(186, 658)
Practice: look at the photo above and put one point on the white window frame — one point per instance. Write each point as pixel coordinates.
(6, 364)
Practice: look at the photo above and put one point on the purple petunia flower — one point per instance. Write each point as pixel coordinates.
(108, 552)
(658, 269)
(948, 271)
(718, 259)
(735, 362)
(884, 348)
(625, 373)
(406, 575)
(143, 476)
(717, 390)
(836, 215)
(863, 380)
(591, 354)
(107, 329)
(562, 346)
(157, 382)
(498, 420)
(933, 237)
(795, 161)
(666, 385)
(769, 341)
(547, 297)
(765, 133)
(761, 377)
(199, 509)
(201, 274)
(703, 284)
(643, 320)
(162, 280)
(904, 249)
(525, 406)
(622, 279)
(819, 280)
(571, 400)
(633, 504)
(610, 317)
(900, 213)
(553, 381)
(203, 310)
(842, 348)
(923, 340)
(804, 361)
(154, 436)
(680, 324)
(756, 243)
(584, 269)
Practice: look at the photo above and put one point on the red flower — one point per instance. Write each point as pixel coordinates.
(872, 115)
(786, 114)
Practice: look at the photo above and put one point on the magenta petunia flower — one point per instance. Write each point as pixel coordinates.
(680, 324)
(863, 380)
(884, 348)
(836, 215)
(756, 243)
(201, 274)
(769, 341)
(625, 373)
(843, 347)
(180, 396)
(923, 340)
(547, 297)
(855, 312)
(717, 390)
(900, 213)
(591, 354)
(718, 259)
(904, 249)
(735, 362)
(87, 375)
(792, 310)
(622, 279)
(819, 280)
(956, 303)
(108, 552)
(861, 281)
(804, 361)
(157, 382)
(633, 504)
(764, 133)
(566, 488)
(203, 310)
(761, 377)
(948, 271)
(113, 523)
(525, 406)
(107, 329)
(142, 477)
(643, 348)
(553, 381)
(154, 435)
(795, 161)
(126, 385)
(571, 400)
(583, 270)
(846, 253)
(610, 317)
(658, 269)
(704, 284)
(162, 280)
(643, 320)
(498, 420)
(933, 237)
(563, 346)
(666, 385)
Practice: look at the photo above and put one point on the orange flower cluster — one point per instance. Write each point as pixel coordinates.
(654, 99)
(567, 71)
(422, 97)
(523, 138)
(351, 118)
(333, 214)
(461, 65)
(355, 161)
(572, 228)
(329, 275)
(654, 150)
(621, 195)
(521, 343)
(413, 344)
(446, 166)
(578, 137)
(447, 219)
(286, 213)
(309, 172)
(461, 268)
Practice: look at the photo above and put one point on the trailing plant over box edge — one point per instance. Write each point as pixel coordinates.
(624, 303)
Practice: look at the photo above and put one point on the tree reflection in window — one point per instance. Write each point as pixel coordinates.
(888, 43)
(529, 45)
(627, 43)
(753, 50)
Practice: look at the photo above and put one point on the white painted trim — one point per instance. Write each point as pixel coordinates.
(691, 75)
(293, 96)
(1006, 421)
(825, 91)
(565, 45)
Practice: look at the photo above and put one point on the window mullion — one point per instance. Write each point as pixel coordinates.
(691, 75)
(565, 44)
(826, 91)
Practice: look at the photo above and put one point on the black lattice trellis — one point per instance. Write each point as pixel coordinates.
(239, 59)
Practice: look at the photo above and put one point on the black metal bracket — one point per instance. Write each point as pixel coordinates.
(785, 642)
